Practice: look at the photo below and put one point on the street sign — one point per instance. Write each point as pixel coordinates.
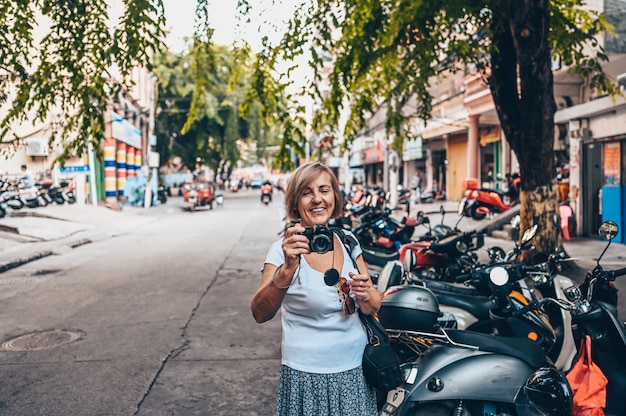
(69, 169)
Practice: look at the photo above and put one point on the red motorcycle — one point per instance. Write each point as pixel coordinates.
(479, 202)
(442, 252)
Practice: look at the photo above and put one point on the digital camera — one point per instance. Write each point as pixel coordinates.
(320, 238)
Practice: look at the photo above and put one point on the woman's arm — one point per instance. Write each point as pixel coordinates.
(363, 288)
(277, 279)
(268, 298)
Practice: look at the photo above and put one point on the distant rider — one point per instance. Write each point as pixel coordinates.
(266, 189)
(27, 179)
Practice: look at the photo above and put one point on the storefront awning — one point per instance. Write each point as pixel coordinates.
(373, 155)
(438, 131)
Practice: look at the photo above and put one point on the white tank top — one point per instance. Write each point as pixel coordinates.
(317, 336)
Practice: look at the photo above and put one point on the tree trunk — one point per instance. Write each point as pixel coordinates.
(539, 206)
(522, 87)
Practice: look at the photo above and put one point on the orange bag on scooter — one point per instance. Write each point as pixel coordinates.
(588, 383)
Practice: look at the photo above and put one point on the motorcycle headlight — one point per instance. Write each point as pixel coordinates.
(499, 276)
(461, 246)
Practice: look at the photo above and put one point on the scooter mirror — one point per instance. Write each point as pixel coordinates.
(442, 210)
(608, 230)
(419, 217)
(409, 260)
(529, 234)
(499, 276)
(515, 221)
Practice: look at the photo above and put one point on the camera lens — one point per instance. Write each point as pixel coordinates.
(321, 243)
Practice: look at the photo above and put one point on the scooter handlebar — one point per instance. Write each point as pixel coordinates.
(612, 275)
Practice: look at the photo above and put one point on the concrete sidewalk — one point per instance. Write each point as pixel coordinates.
(32, 233)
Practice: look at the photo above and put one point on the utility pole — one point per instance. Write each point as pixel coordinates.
(151, 180)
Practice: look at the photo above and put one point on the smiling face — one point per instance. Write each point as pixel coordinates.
(317, 202)
(312, 195)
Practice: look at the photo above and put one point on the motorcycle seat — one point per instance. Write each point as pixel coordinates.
(479, 306)
(522, 348)
(444, 244)
(378, 257)
(447, 287)
(497, 191)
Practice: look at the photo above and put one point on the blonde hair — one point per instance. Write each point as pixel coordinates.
(300, 181)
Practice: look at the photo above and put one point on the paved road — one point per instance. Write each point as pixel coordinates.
(160, 304)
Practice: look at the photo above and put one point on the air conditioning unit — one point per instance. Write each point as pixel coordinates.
(37, 146)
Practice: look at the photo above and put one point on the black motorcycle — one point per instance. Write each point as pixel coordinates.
(593, 309)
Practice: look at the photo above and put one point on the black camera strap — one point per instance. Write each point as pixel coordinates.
(348, 241)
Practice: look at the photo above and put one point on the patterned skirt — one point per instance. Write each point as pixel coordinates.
(337, 394)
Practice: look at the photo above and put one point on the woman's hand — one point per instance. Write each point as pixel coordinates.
(294, 245)
(365, 293)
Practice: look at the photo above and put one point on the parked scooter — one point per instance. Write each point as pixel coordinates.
(453, 372)
(379, 229)
(64, 192)
(32, 197)
(593, 309)
(475, 306)
(479, 202)
(162, 192)
(443, 252)
(10, 197)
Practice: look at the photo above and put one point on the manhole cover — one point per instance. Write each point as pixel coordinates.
(41, 340)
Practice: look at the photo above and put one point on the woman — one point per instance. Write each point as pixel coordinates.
(317, 294)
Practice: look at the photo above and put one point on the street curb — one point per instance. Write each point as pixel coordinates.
(19, 262)
(41, 253)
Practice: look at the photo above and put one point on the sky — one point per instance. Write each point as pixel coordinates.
(179, 15)
(272, 21)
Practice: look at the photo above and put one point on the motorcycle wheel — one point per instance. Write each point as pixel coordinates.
(70, 197)
(59, 200)
(474, 214)
(43, 202)
(162, 198)
(15, 204)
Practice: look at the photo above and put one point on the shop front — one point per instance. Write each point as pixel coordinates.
(612, 193)
(597, 163)
(367, 162)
